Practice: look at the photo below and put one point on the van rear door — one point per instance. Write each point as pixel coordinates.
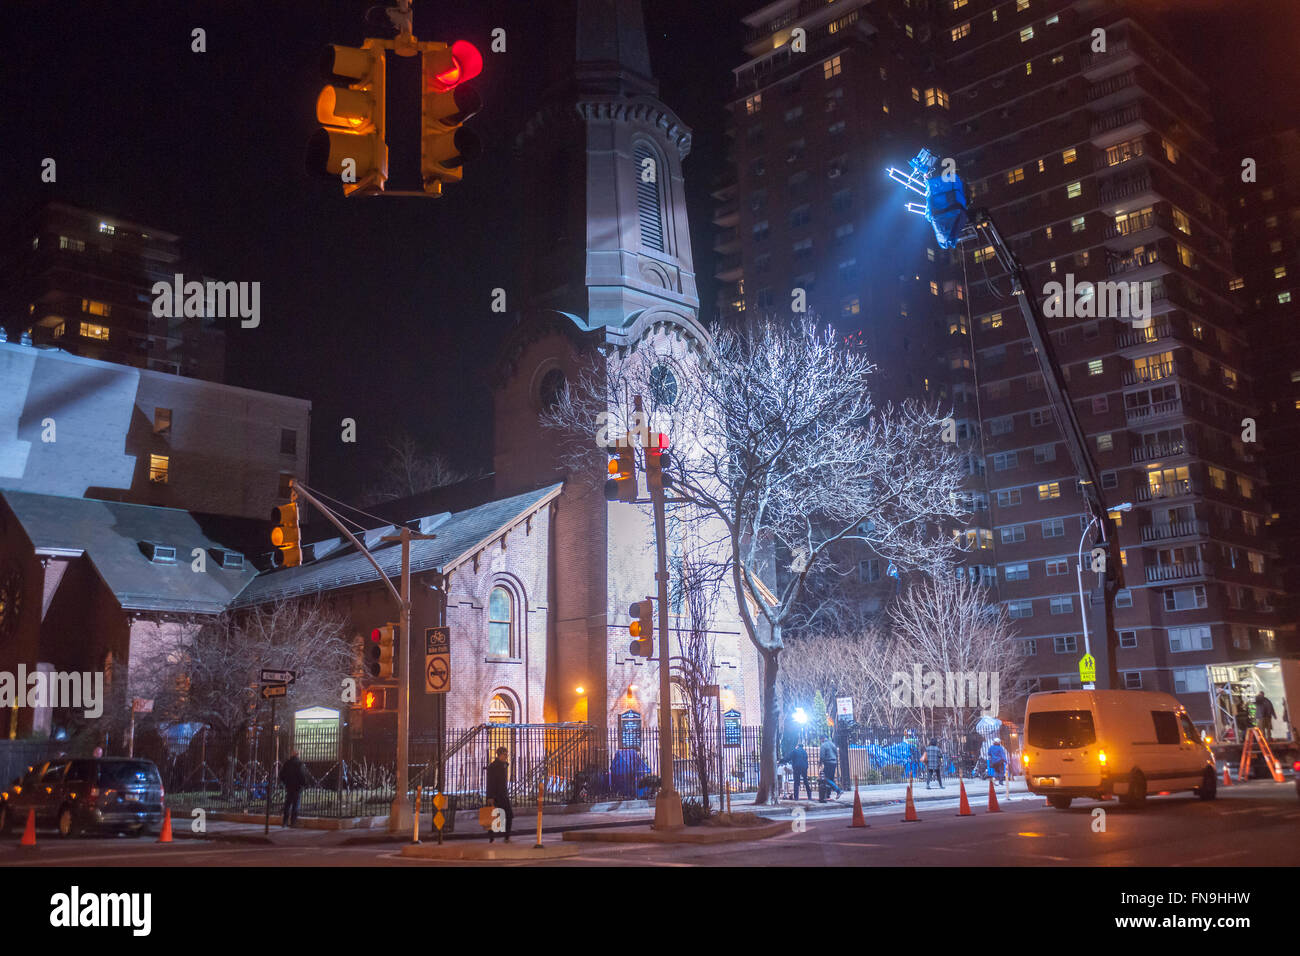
(1065, 745)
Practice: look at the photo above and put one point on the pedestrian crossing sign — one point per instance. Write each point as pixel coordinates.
(1088, 669)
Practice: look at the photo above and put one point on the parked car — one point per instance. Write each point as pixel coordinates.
(84, 794)
(1099, 743)
(1295, 772)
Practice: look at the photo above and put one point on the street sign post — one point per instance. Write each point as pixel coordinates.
(437, 660)
(844, 708)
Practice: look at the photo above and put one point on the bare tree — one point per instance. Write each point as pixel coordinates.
(779, 454)
(409, 468)
(946, 625)
(855, 664)
(696, 588)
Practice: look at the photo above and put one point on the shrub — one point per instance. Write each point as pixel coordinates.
(694, 812)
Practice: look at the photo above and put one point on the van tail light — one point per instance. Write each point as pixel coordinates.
(94, 792)
(1101, 756)
(1024, 759)
(1296, 766)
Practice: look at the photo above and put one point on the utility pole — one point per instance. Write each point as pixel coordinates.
(399, 815)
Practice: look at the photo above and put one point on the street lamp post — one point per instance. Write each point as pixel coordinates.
(1083, 604)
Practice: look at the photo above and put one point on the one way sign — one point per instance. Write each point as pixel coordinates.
(279, 677)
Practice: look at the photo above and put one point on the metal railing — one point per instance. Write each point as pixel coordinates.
(1178, 571)
(1143, 413)
(1161, 531)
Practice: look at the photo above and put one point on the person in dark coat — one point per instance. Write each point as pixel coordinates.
(933, 763)
(294, 777)
(498, 790)
(1264, 714)
(798, 761)
(830, 761)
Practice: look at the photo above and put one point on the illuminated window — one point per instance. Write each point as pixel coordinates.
(75, 245)
(958, 4)
(916, 94)
(92, 331)
(1022, 5)
(1026, 34)
(1029, 70)
(961, 30)
(754, 104)
(1074, 190)
(831, 67)
(1283, 298)
(934, 288)
(1095, 367)
(982, 254)
(159, 468)
(1181, 222)
(1171, 151)
(1015, 175)
(884, 106)
(907, 28)
(1051, 489)
(95, 307)
(993, 321)
(59, 330)
(1078, 224)
(936, 97)
(1048, 232)
(1057, 61)
(106, 229)
(1053, 19)
(500, 623)
(1279, 272)
(850, 306)
(1270, 222)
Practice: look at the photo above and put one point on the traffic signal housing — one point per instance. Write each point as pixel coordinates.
(351, 147)
(285, 535)
(621, 484)
(657, 462)
(380, 651)
(642, 628)
(445, 104)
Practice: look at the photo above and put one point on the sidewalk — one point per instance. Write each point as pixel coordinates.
(626, 813)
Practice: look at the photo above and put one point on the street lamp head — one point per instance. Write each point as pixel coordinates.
(800, 716)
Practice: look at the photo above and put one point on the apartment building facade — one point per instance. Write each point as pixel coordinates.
(81, 280)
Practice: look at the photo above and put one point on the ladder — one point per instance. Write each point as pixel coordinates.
(1266, 753)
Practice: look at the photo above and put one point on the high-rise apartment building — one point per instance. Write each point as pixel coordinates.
(82, 281)
(1078, 126)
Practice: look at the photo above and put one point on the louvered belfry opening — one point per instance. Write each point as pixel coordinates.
(648, 206)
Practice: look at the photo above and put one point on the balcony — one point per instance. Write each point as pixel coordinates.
(1168, 489)
(1148, 373)
(1144, 336)
(1163, 531)
(1179, 572)
(1165, 449)
(1118, 56)
(1136, 191)
(1131, 225)
(730, 268)
(728, 214)
(1119, 125)
(1141, 414)
(726, 241)
(1143, 259)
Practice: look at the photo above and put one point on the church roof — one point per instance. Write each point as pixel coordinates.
(459, 537)
(611, 45)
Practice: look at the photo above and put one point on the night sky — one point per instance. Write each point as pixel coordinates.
(378, 310)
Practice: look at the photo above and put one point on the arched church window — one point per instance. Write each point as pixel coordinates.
(663, 385)
(500, 710)
(649, 206)
(552, 389)
(500, 623)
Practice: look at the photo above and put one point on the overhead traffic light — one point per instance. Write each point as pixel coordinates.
(445, 104)
(351, 146)
(657, 462)
(285, 535)
(642, 628)
(621, 485)
(380, 651)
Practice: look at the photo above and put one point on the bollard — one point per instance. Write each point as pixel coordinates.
(415, 836)
(541, 791)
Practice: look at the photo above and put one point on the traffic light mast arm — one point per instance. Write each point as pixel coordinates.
(329, 515)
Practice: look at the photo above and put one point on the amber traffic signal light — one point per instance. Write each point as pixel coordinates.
(285, 535)
(445, 104)
(380, 651)
(350, 147)
(642, 628)
(621, 484)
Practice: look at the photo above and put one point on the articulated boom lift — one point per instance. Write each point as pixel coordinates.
(945, 209)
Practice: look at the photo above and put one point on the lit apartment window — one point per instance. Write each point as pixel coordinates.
(916, 94)
(907, 28)
(884, 106)
(1078, 223)
(92, 331)
(1181, 222)
(159, 467)
(850, 306)
(934, 288)
(60, 329)
(982, 254)
(1105, 442)
(1022, 5)
(1057, 60)
(1171, 151)
(960, 30)
(958, 4)
(1015, 175)
(95, 307)
(1283, 298)
(993, 321)
(754, 104)
(1279, 272)
(106, 229)
(936, 97)
(995, 14)
(1053, 19)
(1275, 246)
(831, 67)
(1026, 34)
(1270, 222)
(1074, 190)
(1095, 367)
(1050, 489)
(1042, 166)
(162, 421)
(1048, 232)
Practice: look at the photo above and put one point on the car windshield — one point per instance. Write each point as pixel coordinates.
(1060, 729)
(128, 773)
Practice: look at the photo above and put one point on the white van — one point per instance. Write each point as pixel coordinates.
(1099, 743)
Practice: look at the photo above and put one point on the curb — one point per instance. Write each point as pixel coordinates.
(694, 835)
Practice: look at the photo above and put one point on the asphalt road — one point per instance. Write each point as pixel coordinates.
(1254, 825)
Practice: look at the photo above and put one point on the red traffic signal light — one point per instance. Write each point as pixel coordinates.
(446, 69)
(642, 628)
(380, 650)
(657, 461)
(285, 535)
(445, 146)
(621, 485)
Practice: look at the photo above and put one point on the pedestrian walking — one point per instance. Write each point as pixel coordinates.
(294, 777)
(498, 790)
(798, 761)
(1264, 714)
(933, 763)
(830, 760)
(997, 760)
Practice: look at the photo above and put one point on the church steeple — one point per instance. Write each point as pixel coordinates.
(608, 241)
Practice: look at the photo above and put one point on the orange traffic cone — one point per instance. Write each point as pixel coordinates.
(993, 798)
(165, 836)
(1227, 779)
(964, 810)
(858, 819)
(910, 815)
(29, 834)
